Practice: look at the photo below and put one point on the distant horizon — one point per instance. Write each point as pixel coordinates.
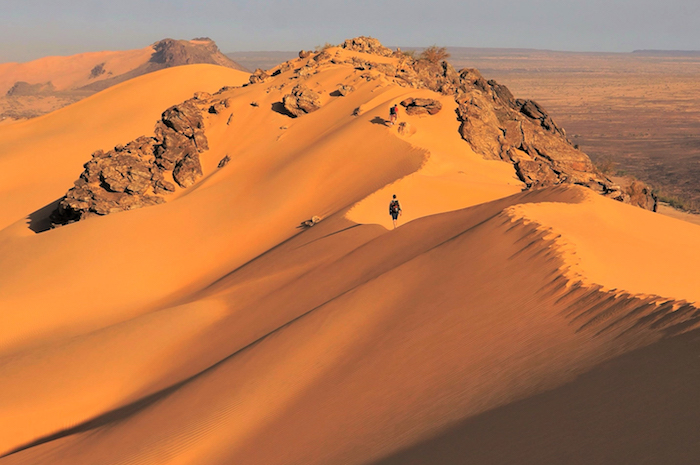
(403, 47)
(37, 28)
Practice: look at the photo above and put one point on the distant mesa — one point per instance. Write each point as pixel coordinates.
(168, 53)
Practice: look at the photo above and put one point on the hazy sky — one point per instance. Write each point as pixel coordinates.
(33, 28)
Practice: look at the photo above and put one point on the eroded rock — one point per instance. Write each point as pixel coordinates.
(259, 75)
(421, 106)
(367, 45)
(344, 90)
(138, 174)
(301, 101)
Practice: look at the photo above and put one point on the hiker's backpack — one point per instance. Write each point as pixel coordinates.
(392, 111)
(394, 206)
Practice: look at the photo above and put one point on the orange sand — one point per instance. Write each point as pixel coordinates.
(210, 329)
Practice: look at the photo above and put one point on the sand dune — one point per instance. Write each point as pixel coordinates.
(210, 329)
(73, 71)
(38, 87)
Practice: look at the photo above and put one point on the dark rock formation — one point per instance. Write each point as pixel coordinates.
(97, 71)
(421, 106)
(224, 161)
(139, 173)
(301, 100)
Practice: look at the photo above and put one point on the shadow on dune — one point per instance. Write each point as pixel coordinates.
(641, 407)
(278, 107)
(379, 120)
(40, 220)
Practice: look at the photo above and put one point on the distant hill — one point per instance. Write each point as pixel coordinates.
(40, 86)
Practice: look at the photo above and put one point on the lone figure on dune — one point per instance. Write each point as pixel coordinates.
(394, 209)
(393, 115)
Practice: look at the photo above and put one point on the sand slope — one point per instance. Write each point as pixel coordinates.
(210, 329)
(71, 72)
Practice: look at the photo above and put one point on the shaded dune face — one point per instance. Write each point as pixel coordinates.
(383, 337)
(211, 328)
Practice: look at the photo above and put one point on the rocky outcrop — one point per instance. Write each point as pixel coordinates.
(495, 124)
(421, 106)
(24, 89)
(301, 101)
(498, 126)
(139, 173)
(367, 45)
(97, 71)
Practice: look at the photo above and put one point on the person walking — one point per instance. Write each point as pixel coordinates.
(393, 114)
(394, 209)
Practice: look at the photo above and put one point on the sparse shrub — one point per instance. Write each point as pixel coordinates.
(677, 202)
(325, 46)
(434, 54)
(409, 53)
(605, 165)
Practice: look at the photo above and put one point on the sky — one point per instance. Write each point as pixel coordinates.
(30, 29)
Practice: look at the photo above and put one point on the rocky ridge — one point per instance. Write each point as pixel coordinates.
(495, 124)
(140, 172)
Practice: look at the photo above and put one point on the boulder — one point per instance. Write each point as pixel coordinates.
(421, 106)
(187, 170)
(344, 90)
(322, 56)
(301, 101)
(258, 76)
